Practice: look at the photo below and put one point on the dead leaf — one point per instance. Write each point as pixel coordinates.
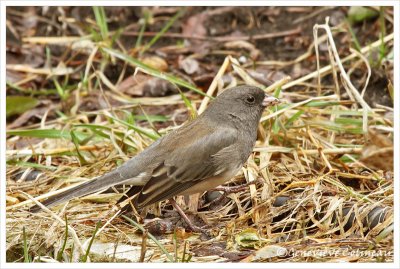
(83, 45)
(266, 253)
(145, 85)
(194, 26)
(155, 62)
(378, 152)
(241, 44)
(133, 85)
(266, 76)
(189, 65)
(248, 238)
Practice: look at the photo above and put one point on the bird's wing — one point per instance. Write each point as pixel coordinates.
(188, 163)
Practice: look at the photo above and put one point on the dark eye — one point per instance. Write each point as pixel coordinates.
(250, 99)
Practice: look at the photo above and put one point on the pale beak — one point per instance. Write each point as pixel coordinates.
(270, 101)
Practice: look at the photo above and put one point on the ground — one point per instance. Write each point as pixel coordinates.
(87, 89)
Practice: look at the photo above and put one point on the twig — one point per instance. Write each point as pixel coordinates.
(243, 73)
(144, 246)
(278, 84)
(296, 105)
(57, 71)
(43, 196)
(213, 86)
(52, 40)
(223, 38)
(354, 91)
(101, 229)
(326, 69)
(141, 228)
(29, 152)
(310, 151)
(57, 218)
(365, 60)
(312, 14)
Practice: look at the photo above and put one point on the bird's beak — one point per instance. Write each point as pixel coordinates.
(270, 101)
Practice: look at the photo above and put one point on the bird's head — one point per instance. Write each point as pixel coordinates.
(242, 102)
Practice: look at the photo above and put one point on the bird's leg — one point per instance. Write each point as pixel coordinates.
(185, 218)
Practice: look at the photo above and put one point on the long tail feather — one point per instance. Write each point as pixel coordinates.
(86, 188)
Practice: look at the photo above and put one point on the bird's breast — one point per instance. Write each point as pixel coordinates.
(212, 182)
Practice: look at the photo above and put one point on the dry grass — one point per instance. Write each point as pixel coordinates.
(315, 187)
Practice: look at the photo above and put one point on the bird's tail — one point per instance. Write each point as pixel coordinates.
(92, 186)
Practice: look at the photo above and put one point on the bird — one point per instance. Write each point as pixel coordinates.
(200, 155)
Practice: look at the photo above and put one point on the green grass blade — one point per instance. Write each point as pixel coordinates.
(277, 122)
(29, 91)
(101, 20)
(47, 133)
(143, 22)
(31, 165)
(61, 92)
(136, 128)
(164, 29)
(349, 121)
(84, 258)
(175, 246)
(77, 143)
(353, 36)
(293, 118)
(382, 34)
(321, 103)
(189, 106)
(152, 118)
(152, 71)
(16, 105)
(26, 250)
(61, 251)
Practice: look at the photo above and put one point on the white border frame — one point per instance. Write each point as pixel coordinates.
(3, 6)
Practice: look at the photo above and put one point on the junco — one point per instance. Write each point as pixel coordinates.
(199, 156)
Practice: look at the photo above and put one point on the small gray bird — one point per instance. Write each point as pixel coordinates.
(197, 157)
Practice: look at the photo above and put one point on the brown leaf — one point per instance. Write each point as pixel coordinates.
(145, 85)
(378, 152)
(194, 26)
(155, 62)
(266, 252)
(242, 44)
(189, 65)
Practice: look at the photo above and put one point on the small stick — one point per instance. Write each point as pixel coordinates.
(28, 152)
(217, 38)
(213, 85)
(311, 151)
(325, 70)
(278, 84)
(144, 246)
(58, 219)
(235, 189)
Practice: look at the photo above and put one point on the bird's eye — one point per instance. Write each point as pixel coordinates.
(250, 99)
